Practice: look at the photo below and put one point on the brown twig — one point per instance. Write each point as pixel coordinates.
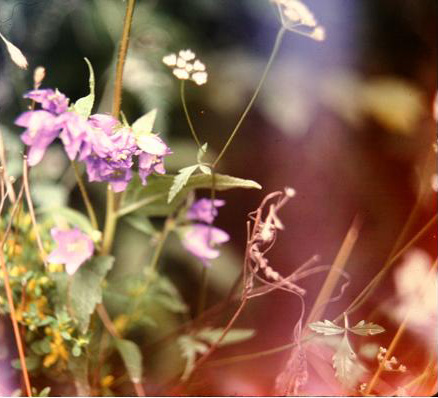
(15, 325)
(32, 212)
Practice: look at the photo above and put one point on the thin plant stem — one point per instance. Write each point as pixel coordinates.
(397, 336)
(395, 253)
(110, 222)
(203, 290)
(112, 201)
(85, 197)
(123, 50)
(15, 325)
(186, 112)
(369, 289)
(334, 274)
(9, 190)
(274, 52)
(168, 226)
(43, 253)
(141, 203)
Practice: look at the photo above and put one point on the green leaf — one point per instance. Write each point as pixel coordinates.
(144, 124)
(73, 217)
(83, 106)
(152, 198)
(326, 328)
(233, 336)
(32, 363)
(141, 224)
(180, 180)
(85, 291)
(367, 329)
(44, 392)
(132, 358)
(190, 348)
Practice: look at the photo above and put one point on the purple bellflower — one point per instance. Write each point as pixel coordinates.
(201, 239)
(108, 149)
(204, 210)
(74, 248)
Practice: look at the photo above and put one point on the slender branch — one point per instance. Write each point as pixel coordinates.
(123, 50)
(85, 197)
(15, 325)
(138, 205)
(110, 222)
(9, 189)
(31, 210)
(203, 290)
(186, 112)
(334, 275)
(168, 226)
(369, 289)
(274, 52)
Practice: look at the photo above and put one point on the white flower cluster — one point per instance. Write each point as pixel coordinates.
(390, 365)
(295, 16)
(186, 67)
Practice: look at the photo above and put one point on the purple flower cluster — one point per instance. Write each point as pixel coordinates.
(108, 149)
(201, 239)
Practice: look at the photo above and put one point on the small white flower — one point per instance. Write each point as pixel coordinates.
(199, 66)
(170, 60)
(187, 55)
(186, 67)
(296, 17)
(181, 63)
(200, 78)
(16, 55)
(181, 74)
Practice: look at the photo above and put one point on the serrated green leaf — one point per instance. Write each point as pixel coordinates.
(73, 217)
(344, 361)
(180, 180)
(84, 105)
(132, 358)
(367, 329)
(85, 291)
(326, 328)
(233, 336)
(144, 124)
(152, 198)
(190, 348)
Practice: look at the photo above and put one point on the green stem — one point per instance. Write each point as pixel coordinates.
(85, 197)
(123, 50)
(203, 290)
(110, 222)
(168, 226)
(186, 112)
(274, 52)
(112, 199)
